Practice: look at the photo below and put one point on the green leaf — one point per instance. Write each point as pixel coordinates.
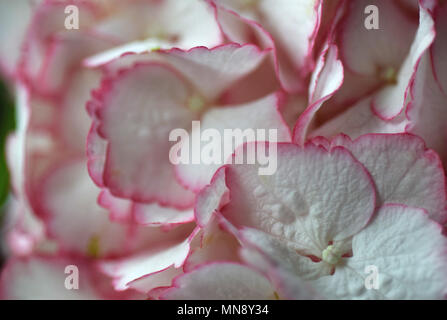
(7, 124)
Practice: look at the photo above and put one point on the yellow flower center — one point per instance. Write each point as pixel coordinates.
(331, 255)
(389, 75)
(196, 102)
(93, 246)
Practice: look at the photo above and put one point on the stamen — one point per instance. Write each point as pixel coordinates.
(331, 255)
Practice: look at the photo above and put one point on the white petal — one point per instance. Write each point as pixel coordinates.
(221, 281)
(409, 252)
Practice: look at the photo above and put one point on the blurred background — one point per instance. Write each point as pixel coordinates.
(7, 124)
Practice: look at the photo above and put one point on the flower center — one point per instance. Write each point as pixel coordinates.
(389, 75)
(331, 255)
(93, 246)
(196, 102)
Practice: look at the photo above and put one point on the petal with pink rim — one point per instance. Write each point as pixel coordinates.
(314, 198)
(359, 119)
(427, 110)
(391, 100)
(439, 48)
(325, 81)
(48, 41)
(153, 215)
(218, 67)
(269, 23)
(85, 227)
(121, 170)
(403, 169)
(213, 243)
(40, 277)
(194, 23)
(211, 198)
(154, 284)
(233, 125)
(120, 210)
(141, 26)
(137, 132)
(63, 57)
(144, 265)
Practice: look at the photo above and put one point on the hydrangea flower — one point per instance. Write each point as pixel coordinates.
(355, 208)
